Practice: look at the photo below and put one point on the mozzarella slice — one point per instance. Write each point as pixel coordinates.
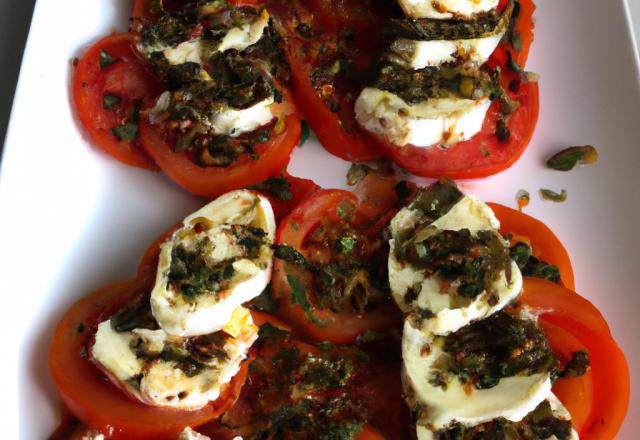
(435, 121)
(445, 9)
(234, 122)
(469, 213)
(473, 52)
(157, 380)
(241, 38)
(189, 51)
(216, 223)
(512, 398)
(559, 411)
(236, 38)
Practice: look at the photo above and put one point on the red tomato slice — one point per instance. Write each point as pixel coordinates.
(544, 243)
(348, 144)
(370, 216)
(481, 156)
(215, 181)
(300, 189)
(467, 160)
(572, 323)
(99, 403)
(131, 79)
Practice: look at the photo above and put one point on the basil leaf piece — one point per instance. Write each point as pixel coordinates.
(305, 133)
(402, 190)
(125, 132)
(567, 159)
(105, 59)
(299, 297)
(265, 302)
(109, 101)
(520, 253)
(276, 186)
(547, 194)
(287, 253)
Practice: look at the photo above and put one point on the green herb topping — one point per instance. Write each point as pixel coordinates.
(540, 424)
(547, 194)
(503, 345)
(193, 272)
(567, 159)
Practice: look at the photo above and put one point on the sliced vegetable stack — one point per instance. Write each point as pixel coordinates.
(197, 91)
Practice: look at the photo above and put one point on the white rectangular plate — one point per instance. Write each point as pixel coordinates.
(74, 219)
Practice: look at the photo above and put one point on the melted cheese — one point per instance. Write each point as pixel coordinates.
(513, 397)
(210, 312)
(473, 52)
(445, 9)
(469, 213)
(434, 121)
(163, 383)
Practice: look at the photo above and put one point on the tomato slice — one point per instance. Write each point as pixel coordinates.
(215, 181)
(99, 403)
(544, 243)
(598, 401)
(370, 214)
(481, 156)
(352, 144)
(129, 82)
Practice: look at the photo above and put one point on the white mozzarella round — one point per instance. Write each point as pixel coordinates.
(474, 52)
(443, 121)
(512, 398)
(163, 383)
(211, 311)
(241, 38)
(469, 213)
(445, 9)
(234, 122)
(424, 433)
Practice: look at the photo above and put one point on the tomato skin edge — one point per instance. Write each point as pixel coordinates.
(86, 78)
(544, 243)
(99, 403)
(214, 181)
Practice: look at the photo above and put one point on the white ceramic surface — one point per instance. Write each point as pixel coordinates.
(73, 219)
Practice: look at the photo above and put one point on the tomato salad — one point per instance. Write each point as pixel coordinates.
(300, 364)
(212, 93)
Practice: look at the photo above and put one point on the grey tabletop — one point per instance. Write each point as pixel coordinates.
(15, 19)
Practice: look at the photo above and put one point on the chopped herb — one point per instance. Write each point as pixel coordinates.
(540, 423)
(265, 301)
(578, 365)
(485, 152)
(502, 132)
(326, 345)
(275, 186)
(109, 101)
(105, 59)
(531, 266)
(269, 331)
(402, 190)
(305, 133)
(547, 194)
(482, 353)
(295, 225)
(520, 253)
(136, 314)
(287, 253)
(513, 66)
(299, 297)
(567, 159)
(125, 132)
